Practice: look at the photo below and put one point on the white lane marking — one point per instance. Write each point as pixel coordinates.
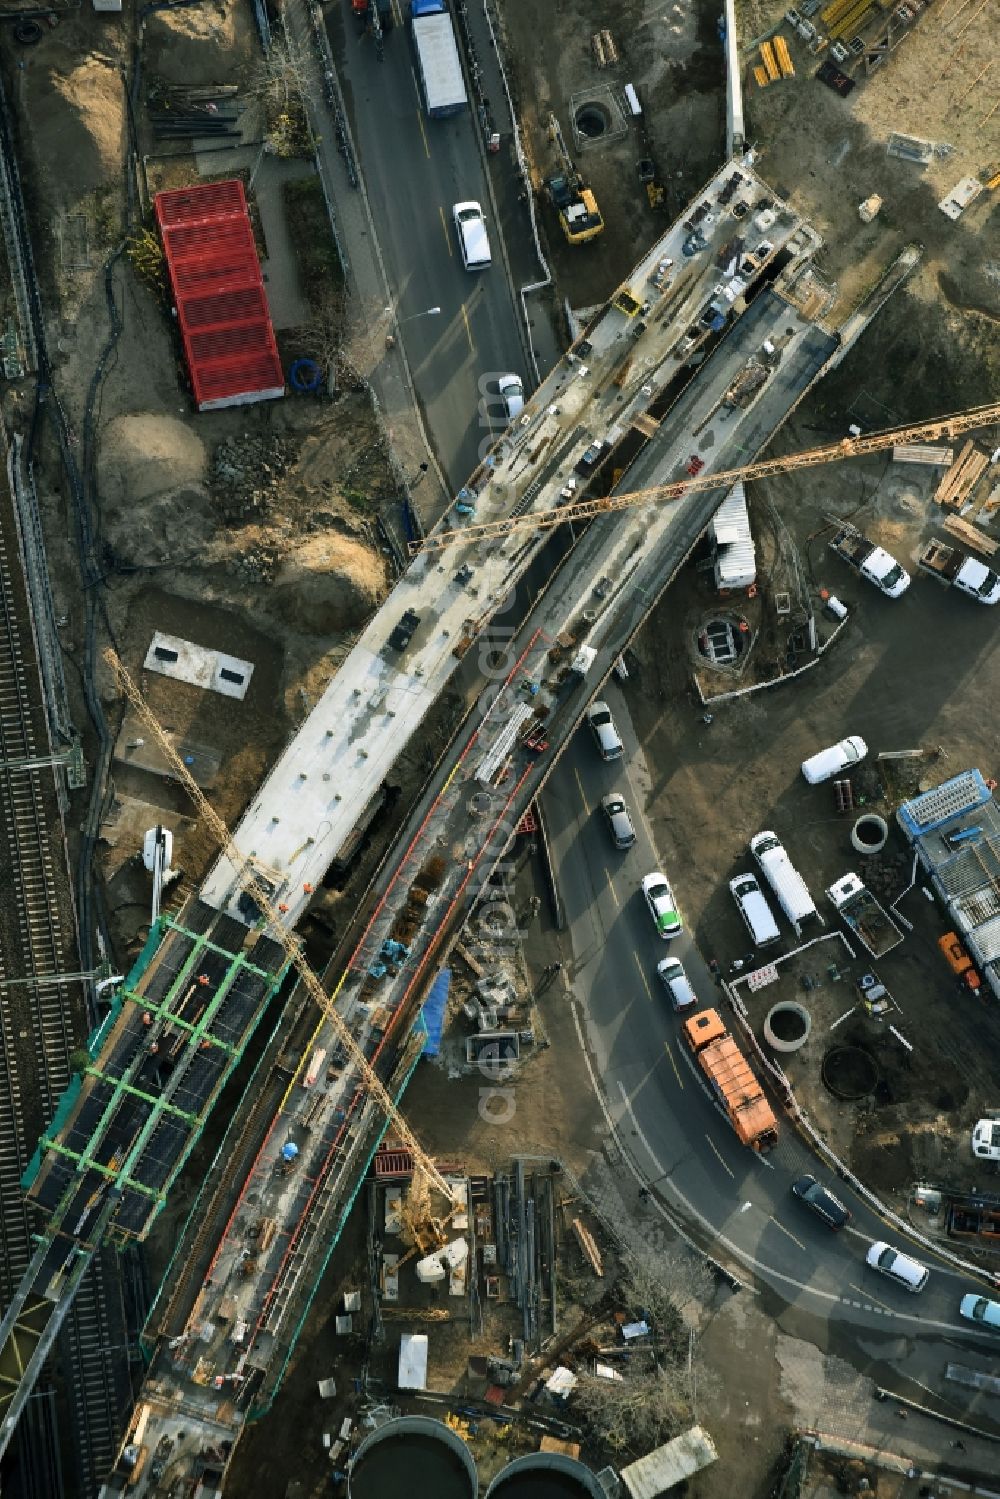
(739, 1254)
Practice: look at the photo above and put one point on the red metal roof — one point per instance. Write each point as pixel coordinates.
(219, 295)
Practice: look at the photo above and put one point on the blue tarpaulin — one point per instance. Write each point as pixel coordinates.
(433, 1012)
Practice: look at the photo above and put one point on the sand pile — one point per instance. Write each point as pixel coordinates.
(327, 584)
(154, 503)
(76, 124)
(189, 45)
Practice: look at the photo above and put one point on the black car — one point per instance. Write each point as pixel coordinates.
(823, 1203)
(403, 633)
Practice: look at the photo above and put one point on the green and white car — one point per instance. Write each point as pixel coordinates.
(662, 906)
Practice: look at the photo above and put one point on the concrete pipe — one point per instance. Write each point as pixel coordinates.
(869, 834)
(787, 1026)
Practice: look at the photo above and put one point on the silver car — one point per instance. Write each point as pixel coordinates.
(602, 726)
(619, 822)
(677, 984)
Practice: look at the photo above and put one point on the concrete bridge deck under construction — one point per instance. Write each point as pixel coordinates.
(123, 1132)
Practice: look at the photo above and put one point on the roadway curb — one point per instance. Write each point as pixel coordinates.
(881, 1393)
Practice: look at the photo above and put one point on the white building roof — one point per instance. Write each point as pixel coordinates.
(666, 1466)
(736, 562)
(413, 1361)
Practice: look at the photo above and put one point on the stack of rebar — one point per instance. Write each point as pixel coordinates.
(210, 112)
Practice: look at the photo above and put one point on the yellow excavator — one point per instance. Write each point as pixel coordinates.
(574, 202)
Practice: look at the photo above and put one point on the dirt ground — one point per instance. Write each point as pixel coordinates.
(671, 54)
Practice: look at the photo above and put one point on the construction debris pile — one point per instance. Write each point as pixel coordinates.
(246, 474)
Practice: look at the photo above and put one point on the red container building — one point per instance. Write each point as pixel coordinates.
(219, 295)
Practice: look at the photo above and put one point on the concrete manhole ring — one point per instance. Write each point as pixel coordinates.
(869, 834)
(787, 1026)
(481, 804)
(593, 120)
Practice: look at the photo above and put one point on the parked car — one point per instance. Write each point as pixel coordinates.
(830, 762)
(906, 1272)
(511, 389)
(821, 1201)
(677, 984)
(977, 1309)
(619, 822)
(662, 906)
(602, 726)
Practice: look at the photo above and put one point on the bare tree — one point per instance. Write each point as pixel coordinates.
(646, 1406)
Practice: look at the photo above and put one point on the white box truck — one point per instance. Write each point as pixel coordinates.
(439, 66)
(790, 889)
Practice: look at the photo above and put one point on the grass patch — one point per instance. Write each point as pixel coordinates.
(319, 265)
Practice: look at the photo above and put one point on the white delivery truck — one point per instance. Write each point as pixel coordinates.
(965, 573)
(790, 889)
(438, 63)
(871, 561)
(861, 913)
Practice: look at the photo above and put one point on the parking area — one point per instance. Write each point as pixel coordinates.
(913, 673)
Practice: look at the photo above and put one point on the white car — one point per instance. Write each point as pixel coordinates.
(977, 1309)
(906, 1272)
(511, 388)
(662, 906)
(830, 762)
(473, 241)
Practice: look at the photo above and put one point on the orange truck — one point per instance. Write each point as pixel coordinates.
(733, 1080)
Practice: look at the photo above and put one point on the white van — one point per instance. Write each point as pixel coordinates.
(754, 909)
(906, 1272)
(473, 240)
(789, 887)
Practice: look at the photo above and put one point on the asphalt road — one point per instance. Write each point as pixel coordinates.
(415, 170)
(677, 1138)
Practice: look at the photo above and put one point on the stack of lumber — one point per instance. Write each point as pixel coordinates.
(971, 535)
(960, 479)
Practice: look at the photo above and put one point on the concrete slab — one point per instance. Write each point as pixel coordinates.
(132, 748)
(211, 670)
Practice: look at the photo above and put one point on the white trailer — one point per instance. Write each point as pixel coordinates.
(438, 61)
(790, 889)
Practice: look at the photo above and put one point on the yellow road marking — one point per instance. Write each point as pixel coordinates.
(645, 981)
(395, 14)
(423, 137)
(614, 892)
(444, 226)
(673, 1062)
(787, 1231)
(468, 330)
(719, 1158)
(579, 783)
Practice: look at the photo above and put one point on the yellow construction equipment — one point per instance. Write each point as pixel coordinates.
(423, 1164)
(784, 57)
(848, 447)
(767, 58)
(579, 216)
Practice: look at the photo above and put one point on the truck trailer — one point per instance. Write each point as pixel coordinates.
(872, 562)
(733, 1080)
(861, 913)
(952, 567)
(439, 66)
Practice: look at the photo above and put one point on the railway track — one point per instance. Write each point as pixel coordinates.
(37, 1034)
